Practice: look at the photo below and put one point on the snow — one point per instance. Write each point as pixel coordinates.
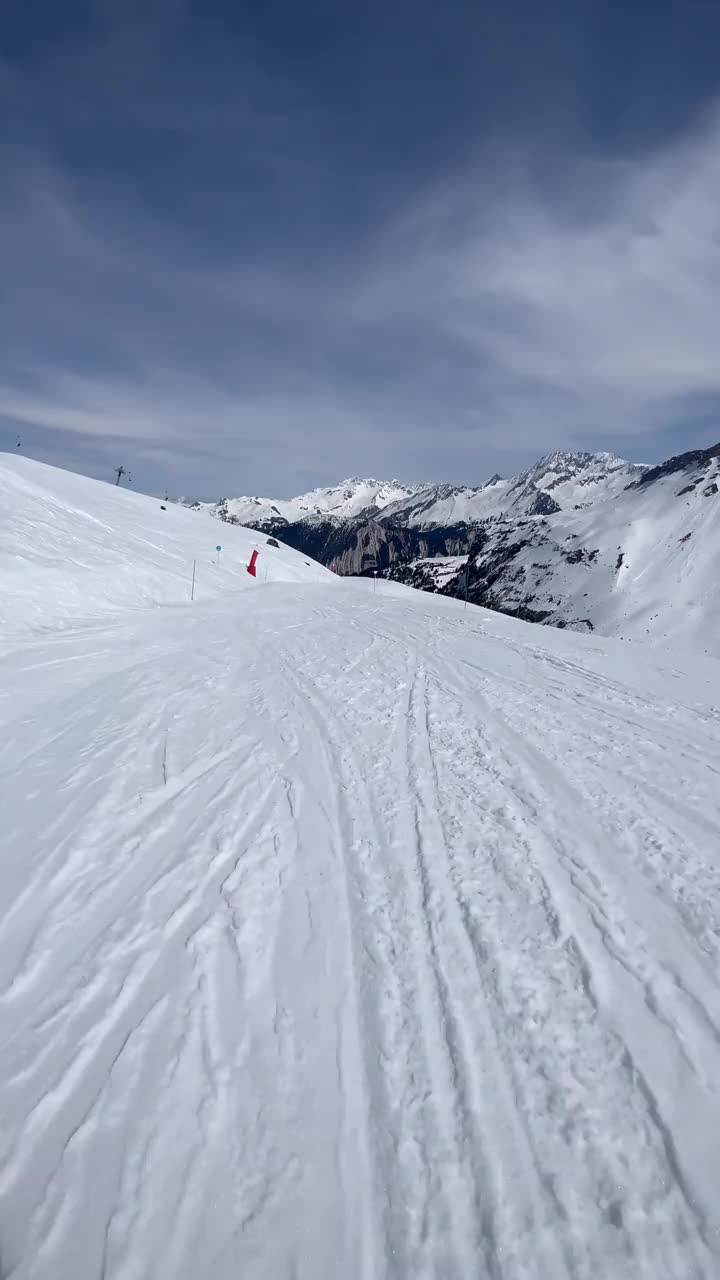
(442, 568)
(655, 570)
(642, 563)
(570, 477)
(338, 502)
(72, 549)
(345, 933)
(448, 506)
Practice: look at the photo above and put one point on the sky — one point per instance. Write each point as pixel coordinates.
(258, 247)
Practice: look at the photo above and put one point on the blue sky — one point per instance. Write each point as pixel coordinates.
(254, 247)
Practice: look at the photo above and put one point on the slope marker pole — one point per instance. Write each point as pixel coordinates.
(192, 589)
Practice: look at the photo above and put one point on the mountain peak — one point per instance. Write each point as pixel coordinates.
(695, 459)
(561, 480)
(577, 460)
(579, 467)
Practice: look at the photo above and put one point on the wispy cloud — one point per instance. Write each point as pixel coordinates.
(587, 292)
(228, 340)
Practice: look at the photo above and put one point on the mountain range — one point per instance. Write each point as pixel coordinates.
(581, 540)
(556, 480)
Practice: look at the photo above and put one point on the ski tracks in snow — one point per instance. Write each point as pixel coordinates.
(357, 949)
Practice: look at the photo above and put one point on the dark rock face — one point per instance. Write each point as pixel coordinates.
(521, 611)
(681, 462)
(366, 546)
(580, 556)
(544, 505)
(497, 577)
(578, 624)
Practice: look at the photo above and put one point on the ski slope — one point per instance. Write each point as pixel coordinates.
(352, 934)
(73, 549)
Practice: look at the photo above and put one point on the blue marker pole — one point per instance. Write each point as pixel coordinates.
(218, 549)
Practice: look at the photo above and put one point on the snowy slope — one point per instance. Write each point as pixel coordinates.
(344, 501)
(448, 505)
(645, 563)
(557, 481)
(349, 934)
(73, 548)
(445, 569)
(575, 478)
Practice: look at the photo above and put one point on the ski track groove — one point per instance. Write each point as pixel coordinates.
(603, 919)
(586, 970)
(479, 1225)
(469, 980)
(373, 898)
(364, 1025)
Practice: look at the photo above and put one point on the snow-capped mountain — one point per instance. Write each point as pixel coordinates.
(578, 539)
(575, 479)
(559, 480)
(344, 501)
(644, 562)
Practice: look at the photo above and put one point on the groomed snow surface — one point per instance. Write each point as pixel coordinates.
(345, 934)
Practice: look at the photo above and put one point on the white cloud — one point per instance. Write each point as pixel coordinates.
(510, 309)
(591, 291)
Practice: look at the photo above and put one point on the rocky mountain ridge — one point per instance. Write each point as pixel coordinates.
(555, 481)
(579, 540)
